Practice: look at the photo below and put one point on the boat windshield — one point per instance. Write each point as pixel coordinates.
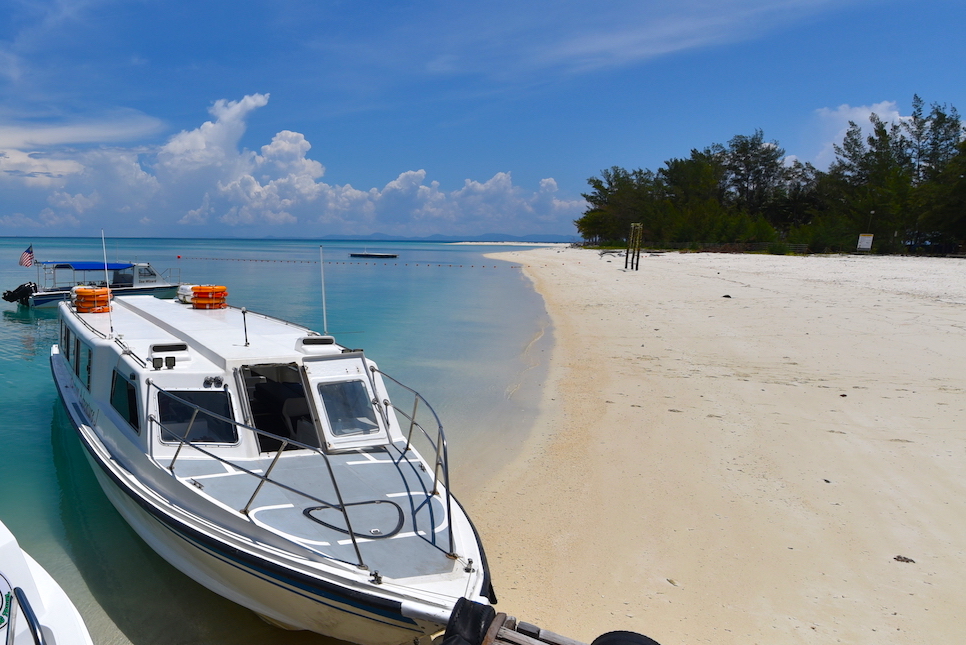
(176, 417)
(123, 278)
(147, 274)
(348, 408)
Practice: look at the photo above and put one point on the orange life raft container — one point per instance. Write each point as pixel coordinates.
(92, 300)
(206, 296)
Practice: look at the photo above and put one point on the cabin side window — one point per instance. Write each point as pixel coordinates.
(146, 275)
(181, 421)
(348, 408)
(124, 399)
(124, 277)
(82, 365)
(65, 341)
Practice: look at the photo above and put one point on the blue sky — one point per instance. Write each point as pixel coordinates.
(308, 118)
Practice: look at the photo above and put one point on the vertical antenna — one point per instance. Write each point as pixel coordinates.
(107, 283)
(325, 321)
(245, 324)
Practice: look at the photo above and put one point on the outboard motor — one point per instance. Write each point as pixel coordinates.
(472, 623)
(21, 294)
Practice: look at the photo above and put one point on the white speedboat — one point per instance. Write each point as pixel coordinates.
(33, 607)
(268, 463)
(56, 280)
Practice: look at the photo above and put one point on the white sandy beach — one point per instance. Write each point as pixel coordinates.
(743, 469)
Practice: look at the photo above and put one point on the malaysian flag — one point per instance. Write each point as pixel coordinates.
(27, 257)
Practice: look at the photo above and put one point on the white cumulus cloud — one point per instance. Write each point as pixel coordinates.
(202, 181)
(834, 123)
(35, 169)
(214, 144)
(78, 203)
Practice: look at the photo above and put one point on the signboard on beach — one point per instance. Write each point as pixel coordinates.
(865, 242)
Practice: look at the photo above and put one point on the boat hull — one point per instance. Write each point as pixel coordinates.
(286, 596)
(58, 617)
(286, 600)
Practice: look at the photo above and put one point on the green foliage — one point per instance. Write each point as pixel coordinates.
(903, 182)
(943, 201)
(828, 234)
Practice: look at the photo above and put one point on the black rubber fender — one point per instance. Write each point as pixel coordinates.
(468, 623)
(624, 638)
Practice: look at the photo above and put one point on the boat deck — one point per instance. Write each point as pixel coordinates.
(400, 529)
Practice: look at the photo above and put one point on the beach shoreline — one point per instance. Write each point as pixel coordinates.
(514, 243)
(736, 448)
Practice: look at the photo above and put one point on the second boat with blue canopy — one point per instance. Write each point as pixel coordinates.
(56, 279)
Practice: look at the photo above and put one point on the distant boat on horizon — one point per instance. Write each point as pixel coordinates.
(367, 254)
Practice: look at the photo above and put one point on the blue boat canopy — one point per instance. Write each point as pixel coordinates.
(88, 266)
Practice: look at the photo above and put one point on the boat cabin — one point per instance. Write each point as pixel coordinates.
(66, 275)
(294, 385)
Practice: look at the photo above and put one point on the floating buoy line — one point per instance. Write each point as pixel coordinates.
(385, 264)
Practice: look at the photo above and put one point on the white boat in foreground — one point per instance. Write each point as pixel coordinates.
(32, 605)
(266, 461)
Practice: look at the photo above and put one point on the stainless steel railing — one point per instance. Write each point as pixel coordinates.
(440, 476)
(172, 275)
(438, 444)
(19, 600)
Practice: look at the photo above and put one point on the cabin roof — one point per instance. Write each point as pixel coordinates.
(87, 266)
(217, 335)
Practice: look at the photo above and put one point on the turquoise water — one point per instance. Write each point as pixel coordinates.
(441, 318)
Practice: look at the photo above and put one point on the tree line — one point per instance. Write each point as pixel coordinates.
(903, 182)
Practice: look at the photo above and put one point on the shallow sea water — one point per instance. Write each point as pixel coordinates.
(469, 333)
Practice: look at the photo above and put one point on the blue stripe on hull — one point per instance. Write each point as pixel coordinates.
(267, 577)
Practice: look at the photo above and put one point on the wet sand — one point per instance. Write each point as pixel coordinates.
(737, 449)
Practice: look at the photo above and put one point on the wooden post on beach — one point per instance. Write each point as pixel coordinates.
(632, 259)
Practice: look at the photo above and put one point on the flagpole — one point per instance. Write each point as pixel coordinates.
(325, 322)
(35, 263)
